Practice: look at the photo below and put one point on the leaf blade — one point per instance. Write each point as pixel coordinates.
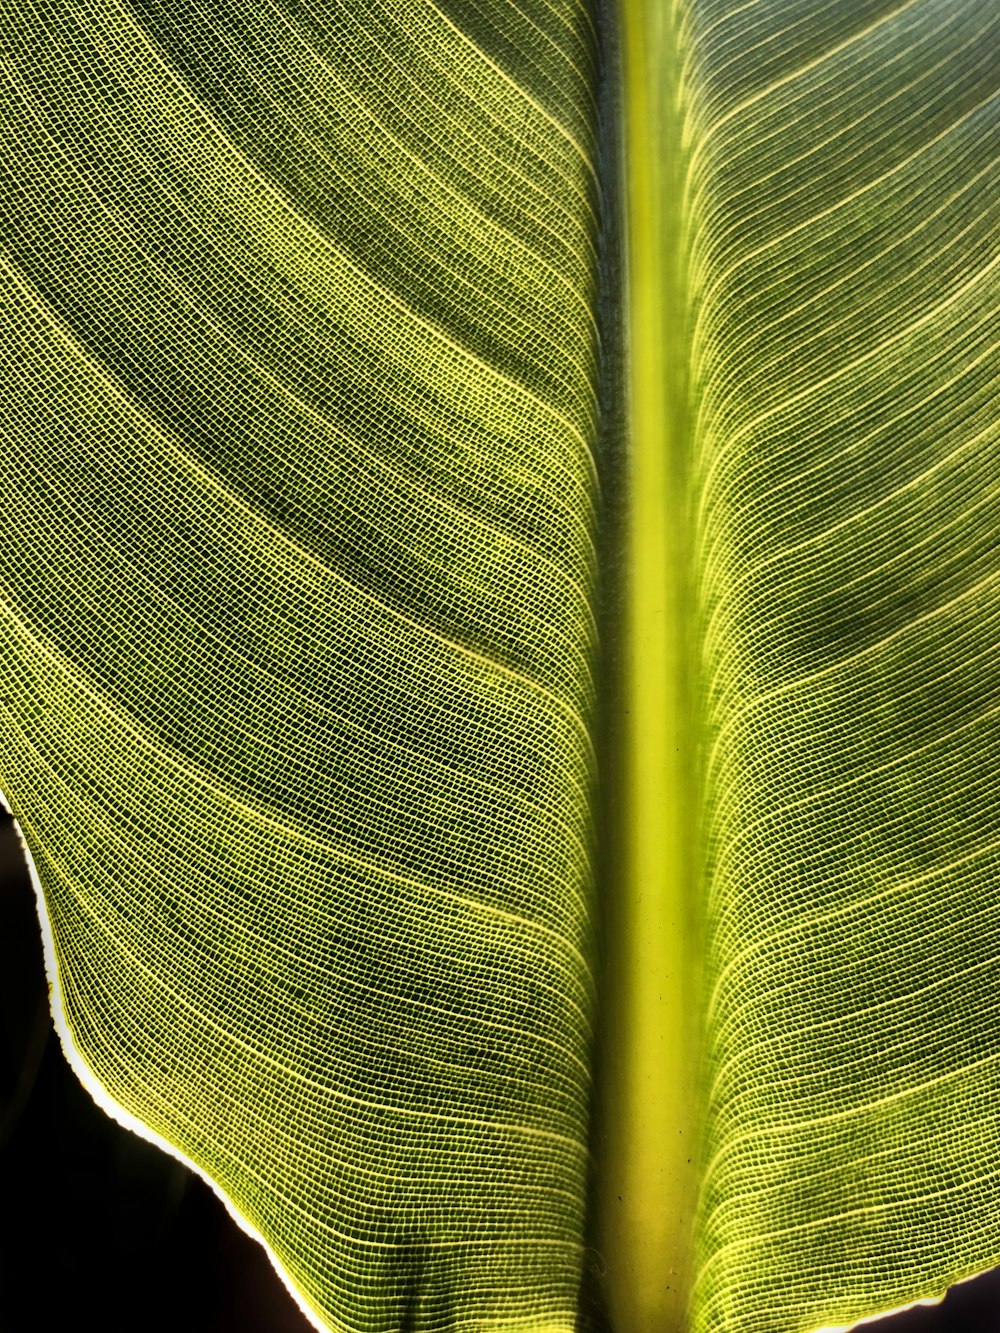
(303, 410)
(844, 199)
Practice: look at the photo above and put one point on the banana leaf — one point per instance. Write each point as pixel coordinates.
(499, 636)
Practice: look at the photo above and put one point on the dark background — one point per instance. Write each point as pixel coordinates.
(101, 1230)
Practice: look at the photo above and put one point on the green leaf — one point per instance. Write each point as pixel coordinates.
(842, 202)
(307, 422)
(297, 633)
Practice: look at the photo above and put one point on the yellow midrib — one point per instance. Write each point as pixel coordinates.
(649, 1166)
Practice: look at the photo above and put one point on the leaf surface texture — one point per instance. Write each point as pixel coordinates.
(842, 203)
(297, 624)
(303, 425)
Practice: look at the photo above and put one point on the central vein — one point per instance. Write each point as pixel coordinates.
(648, 1147)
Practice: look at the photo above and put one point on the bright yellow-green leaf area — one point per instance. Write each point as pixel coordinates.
(335, 335)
